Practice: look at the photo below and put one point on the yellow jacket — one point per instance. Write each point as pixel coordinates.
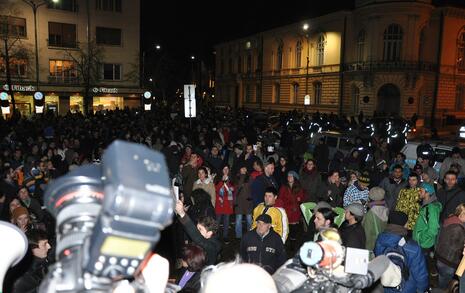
(278, 219)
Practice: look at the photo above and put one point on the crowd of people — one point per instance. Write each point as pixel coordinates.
(241, 195)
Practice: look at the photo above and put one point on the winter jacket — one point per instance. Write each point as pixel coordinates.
(333, 194)
(311, 183)
(392, 189)
(30, 281)
(355, 193)
(418, 272)
(268, 252)
(243, 201)
(225, 192)
(208, 186)
(211, 246)
(450, 199)
(353, 235)
(445, 166)
(189, 175)
(259, 186)
(291, 200)
(278, 216)
(449, 246)
(427, 226)
(374, 223)
(408, 203)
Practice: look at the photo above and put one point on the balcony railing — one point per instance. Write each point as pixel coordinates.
(63, 80)
(62, 44)
(390, 66)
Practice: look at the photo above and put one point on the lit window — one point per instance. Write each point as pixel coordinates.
(320, 50)
(62, 71)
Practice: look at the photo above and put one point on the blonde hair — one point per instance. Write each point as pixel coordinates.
(460, 209)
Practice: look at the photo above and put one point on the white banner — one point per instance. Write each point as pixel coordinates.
(189, 108)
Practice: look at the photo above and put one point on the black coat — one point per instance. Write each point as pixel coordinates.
(267, 252)
(353, 236)
(30, 281)
(450, 199)
(193, 285)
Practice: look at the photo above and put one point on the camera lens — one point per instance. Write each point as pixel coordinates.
(75, 200)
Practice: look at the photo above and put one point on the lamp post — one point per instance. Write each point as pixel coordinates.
(157, 48)
(35, 5)
(192, 70)
(305, 29)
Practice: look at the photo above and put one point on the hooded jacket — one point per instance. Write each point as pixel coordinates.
(418, 272)
(450, 243)
(427, 226)
(374, 223)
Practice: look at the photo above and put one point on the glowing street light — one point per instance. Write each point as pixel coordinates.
(158, 47)
(305, 26)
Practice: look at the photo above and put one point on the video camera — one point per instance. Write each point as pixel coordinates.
(108, 219)
(318, 268)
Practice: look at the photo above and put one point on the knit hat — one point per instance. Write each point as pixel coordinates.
(356, 209)
(428, 188)
(293, 174)
(376, 193)
(397, 218)
(364, 178)
(18, 212)
(264, 218)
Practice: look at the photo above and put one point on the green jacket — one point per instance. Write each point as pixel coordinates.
(373, 225)
(427, 226)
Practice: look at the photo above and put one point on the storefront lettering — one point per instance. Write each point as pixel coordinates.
(20, 88)
(104, 90)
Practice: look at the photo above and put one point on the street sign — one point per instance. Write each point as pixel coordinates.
(5, 104)
(189, 91)
(189, 108)
(307, 100)
(147, 95)
(4, 96)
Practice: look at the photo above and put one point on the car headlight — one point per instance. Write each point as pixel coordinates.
(462, 129)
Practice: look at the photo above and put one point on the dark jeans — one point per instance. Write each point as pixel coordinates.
(446, 273)
(225, 220)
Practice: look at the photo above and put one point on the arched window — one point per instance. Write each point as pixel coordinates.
(460, 97)
(298, 54)
(317, 88)
(277, 93)
(295, 93)
(355, 93)
(421, 46)
(361, 46)
(392, 43)
(320, 50)
(279, 56)
(461, 51)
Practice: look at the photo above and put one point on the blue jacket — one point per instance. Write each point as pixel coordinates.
(418, 280)
(258, 187)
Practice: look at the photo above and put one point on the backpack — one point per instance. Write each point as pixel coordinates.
(398, 257)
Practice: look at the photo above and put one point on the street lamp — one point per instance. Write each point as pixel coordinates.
(305, 28)
(157, 48)
(35, 5)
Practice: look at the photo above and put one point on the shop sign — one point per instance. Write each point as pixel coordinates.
(20, 88)
(104, 90)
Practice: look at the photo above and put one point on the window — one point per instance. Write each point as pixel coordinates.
(249, 63)
(298, 54)
(62, 35)
(392, 43)
(355, 98)
(295, 93)
(108, 36)
(421, 46)
(68, 5)
(461, 51)
(279, 56)
(317, 92)
(111, 71)
(239, 64)
(460, 97)
(62, 71)
(18, 67)
(277, 93)
(12, 26)
(320, 50)
(361, 46)
(108, 5)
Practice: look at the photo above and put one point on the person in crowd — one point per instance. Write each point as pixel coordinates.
(258, 168)
(186, 157)
(425, 163)
(31, 204)
(237, 158)
(353, 177)
(392, 185)
(321, 155)
(277, 214)
(382, 153)
(358, 192)
(224, 208)
(337, 163)
(215, 160)
(8, 182)
(205, 182)
(201, 207)
(21, 218)
(281, 170)
(375, 220)
(448, 249)
(263, 246)
(249, 157)
(324, 219)
(291, 195)
(193, 261)
(400, 160)
(38, 248)
(427, 225)
(353, 161)
(395, 237)
(189, 176)
(311, 180)
(450, 196)
(333, 190)
(242, 201)
(454, 158)
(204, 235)
(352, 232)
(381, 171)
(408, 200)
(262, 182)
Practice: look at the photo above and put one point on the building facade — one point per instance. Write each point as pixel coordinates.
(394, 56)
(68, 32)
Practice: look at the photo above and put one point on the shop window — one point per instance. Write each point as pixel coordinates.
(108, 36)
(111, 71)
(62, 35)
(76, 104)
(12, 26)
(108, 103)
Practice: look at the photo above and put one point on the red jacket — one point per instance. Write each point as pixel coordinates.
(224, 204)
(291, 203)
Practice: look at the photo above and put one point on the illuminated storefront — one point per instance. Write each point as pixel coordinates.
(76, 104)
(107, 103)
